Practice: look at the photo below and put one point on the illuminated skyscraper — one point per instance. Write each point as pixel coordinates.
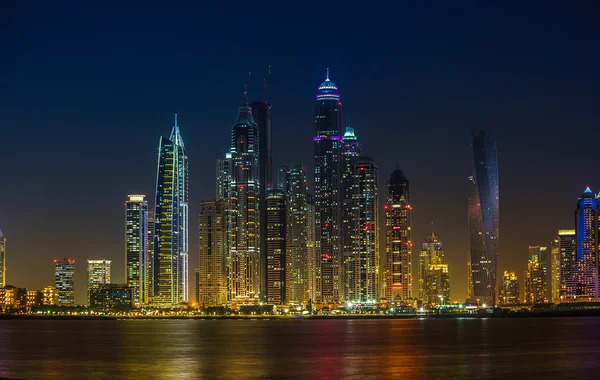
(509, 292)
(224, 177)
(365, 282)
(170, 267)
(296, 197)
(2, 260)
(64, 281)
(350, 225)
(98, 273)
(212, 264)
(136, 247)
(434, 277)
(150, 257)
(243, 228)
(311, 244)
(554, 270)
(398, 245)
(328, 144)
(483, 216)
(277, 266)
(586, 229)
(535, 276)
(567, 244)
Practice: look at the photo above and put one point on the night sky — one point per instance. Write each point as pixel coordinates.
(85, 93)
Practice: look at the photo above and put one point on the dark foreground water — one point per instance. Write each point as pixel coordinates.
(528, 348)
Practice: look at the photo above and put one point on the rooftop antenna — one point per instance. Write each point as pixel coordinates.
(175, 119)
(266, 82)
(245, 94)
(327, 74)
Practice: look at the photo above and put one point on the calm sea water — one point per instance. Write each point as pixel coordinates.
(528, 348)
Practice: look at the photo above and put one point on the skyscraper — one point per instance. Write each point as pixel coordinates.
(243, 228)
(311, 243)
(364, 282)
(2, 260)
(150, 257)
(509, 292)
(277, 266)
(136, 247)
(567, 244)
(296, 197)
(586, 227)
(224, 177)
(64, 281)
(483, 216)
(398, 245)
(328, 142)
(434, 277)
(212, 263)
(261, 113)
(535, 276)
(170, 280)
(554, 284)
(98, 273)
(351, 150)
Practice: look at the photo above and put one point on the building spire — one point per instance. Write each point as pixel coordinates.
(327, 74)
(245, 94)
(175, 120)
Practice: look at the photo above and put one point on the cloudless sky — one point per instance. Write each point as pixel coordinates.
(87, 89)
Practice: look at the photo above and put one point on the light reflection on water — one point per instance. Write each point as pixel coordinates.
(237, 349)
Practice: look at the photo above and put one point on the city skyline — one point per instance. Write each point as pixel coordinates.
(526, 169)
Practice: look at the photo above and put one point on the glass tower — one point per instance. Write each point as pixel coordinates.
(212, 264)
(64, 281)
(434, 277)
(224, 177)
(136, 247)
(2, 260)
(170, 280)
(243, 229)
(277, 266)
(98, 272)
(328, 144)
(567, 245)
(483, 216)
(586, 229)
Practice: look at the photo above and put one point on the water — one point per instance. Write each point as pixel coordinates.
(527, 348)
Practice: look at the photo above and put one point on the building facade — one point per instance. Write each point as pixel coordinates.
(586, 232)
(327, 165)
(483, 215)
(434, 277)
(535, 276)
(49, 296)
(64, 281)
(136, 247)
(170, 266)
(212, 259)
(398, 245)
(567, 245)
(2, 260)
(311, 243)
(98, 274)
(112, 297)
(509, 291)
(278, 274)
(224, 177)
(554, 270)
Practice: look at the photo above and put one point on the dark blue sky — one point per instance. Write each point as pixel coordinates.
(85, 92)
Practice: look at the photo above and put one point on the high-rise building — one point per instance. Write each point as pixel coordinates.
(2, 260)
(224, 177)
(295, 189)
(509, 291)
(243, 228)
(49, 296)
(150, 257)
(364, 282)
(586, 229)
(136, 247)
(113, 297)
(282, 173)
(398, 245)
(64, 281)
(535, 276)
(261, 113)
(349, 225)
(554, 283)
(98, 273)
(328, 143)
(212, 263)
(277, 268)
(483, 216)
(171, 238)
(567, 245)
(311, 243)
(434, 277)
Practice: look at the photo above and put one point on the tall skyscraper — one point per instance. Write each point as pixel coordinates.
(535, 276)
(150, 257)
(567, 244)
(398, 245)
(586, 229)
(171, 222)
(98, 273)
(224, 177)
(365, 280)
(509, 292)
(554, 283)
(277, 266)
(483, 216)
(296, 197)
(311, 243)
(434, 277)
(351, 150)
(328, 143)
(2, 260)
(64, 281)
(261, 113)
(212, 263)
(243, 229)
(136, 247)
